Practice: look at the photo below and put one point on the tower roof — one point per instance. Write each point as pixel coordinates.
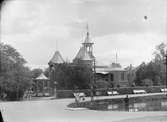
(57, 58)
(80, 53)
(86, 56)
(87, 38)
(83, 54)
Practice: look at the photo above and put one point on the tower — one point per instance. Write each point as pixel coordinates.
(55, 60)
(87, 44)
(85, 54)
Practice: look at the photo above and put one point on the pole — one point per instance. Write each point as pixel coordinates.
(94, 75)
(0, 58)
(93, 81)
(0, 40)
(166, 39)
(166, 68)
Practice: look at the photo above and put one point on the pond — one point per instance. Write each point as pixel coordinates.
(133, 104)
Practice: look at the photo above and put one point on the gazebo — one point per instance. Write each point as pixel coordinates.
(42, 85)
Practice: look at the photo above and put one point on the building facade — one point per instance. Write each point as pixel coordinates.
(113, 74)
(54, 61)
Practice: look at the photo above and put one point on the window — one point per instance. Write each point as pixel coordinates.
(122, 76)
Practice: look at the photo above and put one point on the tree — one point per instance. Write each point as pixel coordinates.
(46, 72)
(140, 74)
(36, 72)
(147, 82)
(15, 78)
(154, 70)
(160, 52)
(69, 76)
(159, 60)
(103, 84)
(157, 80)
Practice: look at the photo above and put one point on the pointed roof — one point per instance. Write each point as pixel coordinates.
(41, 77)
(57, 58)
(87, 39)
(83, 54)
(80, 53)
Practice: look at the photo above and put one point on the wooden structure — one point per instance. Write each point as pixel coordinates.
(42, 85)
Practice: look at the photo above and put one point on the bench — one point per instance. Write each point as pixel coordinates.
(139, 91)
(164, 90)
(112, 93)
(79, 96)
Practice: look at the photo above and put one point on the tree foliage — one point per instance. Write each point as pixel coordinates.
(46, 72)
(147, 82)
(15, 78)
(36, 72)
(103, 84)
(154, 70)
(69, 76)
(159, 53)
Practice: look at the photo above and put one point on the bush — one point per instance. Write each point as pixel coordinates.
(64, 94)
(147, 82)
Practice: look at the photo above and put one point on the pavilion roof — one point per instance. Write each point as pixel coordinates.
(41, 77)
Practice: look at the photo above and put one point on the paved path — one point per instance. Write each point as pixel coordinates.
(57, 111)
(123, 96)
(129, 95)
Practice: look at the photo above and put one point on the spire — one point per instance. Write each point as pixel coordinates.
(87, 39)
(87, 29)
(116, 58)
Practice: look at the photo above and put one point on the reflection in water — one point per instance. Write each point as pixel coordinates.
(126, 101)
(136, 107)
(139, 105)
(164, 104)
(112, 107)
(132, 106)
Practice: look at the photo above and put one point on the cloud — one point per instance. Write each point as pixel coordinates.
(35, 26)
(131, 48)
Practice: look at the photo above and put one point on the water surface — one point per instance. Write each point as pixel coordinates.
(157, 104)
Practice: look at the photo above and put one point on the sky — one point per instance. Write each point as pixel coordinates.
(129, 28)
